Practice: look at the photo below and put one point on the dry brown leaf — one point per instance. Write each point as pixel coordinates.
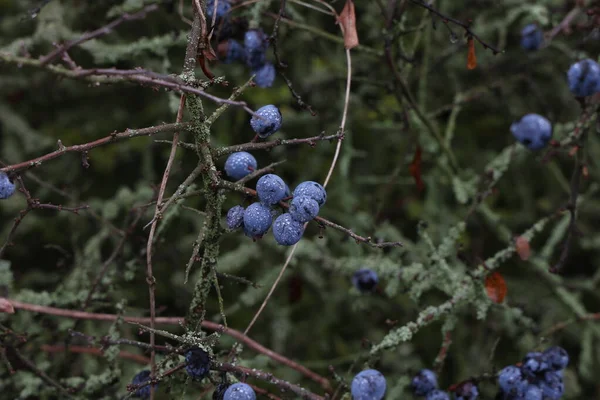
(348, 20)
(6, 306)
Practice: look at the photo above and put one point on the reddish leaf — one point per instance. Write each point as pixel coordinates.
(495, 286)
(523, 248)
(347, 19)
(6, 306)
(471, 58)
(415, 168)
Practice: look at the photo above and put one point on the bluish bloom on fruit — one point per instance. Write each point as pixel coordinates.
(303, 208)
(265, 75)
(235, 217)
(312, 189)
(552, 386)
(231, 50)
(467, 391)
(142, 377)
(223, 8)
(533, 393)
(532, 37)
(365, 280)
(7, 188)
(240, 164)
(424, 382)
(197, 363)
(270, 189)
(534, 364)
(533, 131)
(286, 230)
(584, 78)
(368, 385)
(239, 391)
(557, 357)
(257, 220)
(267, 121)
(220, 390)
(437, 395)
(511, 381)
(255, 43)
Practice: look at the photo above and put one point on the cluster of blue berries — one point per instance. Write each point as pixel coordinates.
(7, 187)
(540, 376)
(365, 280)
(140, 378)
(368, 385)
(288, 228)
(425, 384)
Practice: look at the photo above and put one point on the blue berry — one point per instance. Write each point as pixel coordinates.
(365, 280)
(534, 364)
(312, 189)
(584, 78)
(7, 188)
(257, 220)
(197, 363)
(532, 37)
(533, 131)
(230, 51)
(270, 189)
(303, 208)
(239, 165)
(235, 217)
(239, 391)
(223, 8)
(368, 385)
(467, 391)
(220, 391)
(533, 393)
(142, 377)
(286, 230)
(552, 386)
(267, 121)
(511, 381)
(255, 43)
(557, 357)
(424, 382)
(437, 395)
(265, 75)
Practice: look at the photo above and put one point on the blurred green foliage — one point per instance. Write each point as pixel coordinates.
(314, 317)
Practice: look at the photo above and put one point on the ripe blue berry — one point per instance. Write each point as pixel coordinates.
(467, 391)
(533, 131)
(197, 363)
(424, 382)
(7, 188)
(437, 395)
(235, 217)
(303, 208)
(511, 381)
(257, 220)
(220, 391)
(552, 386)
(533, 393)
(223, 8)
(230, 51)
(255, 43)
(142, 377)
(265, 75)
(531, 37)
(368, 385)
(312, 189)
(534, 364)
(270, 189)
(365, 280)
(584, 78)
(239, 391)
(267, 121)
(240, 164)
(286, 230)
(557, 357)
